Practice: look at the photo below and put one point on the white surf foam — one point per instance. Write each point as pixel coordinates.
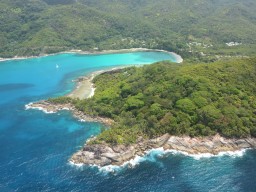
(29, 106)
(78, 165)
(233, 153)
(154, 155)
(238, 153)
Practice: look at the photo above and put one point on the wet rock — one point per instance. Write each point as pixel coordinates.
(103, 154)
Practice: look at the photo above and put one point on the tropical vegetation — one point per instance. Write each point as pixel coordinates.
(196, 29)
(188, 99)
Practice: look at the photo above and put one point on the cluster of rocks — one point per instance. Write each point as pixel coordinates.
(49, 107)
(213, 145)
(81, 79)
(105, 154)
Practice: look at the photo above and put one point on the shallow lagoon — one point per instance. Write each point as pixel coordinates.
(35, 147)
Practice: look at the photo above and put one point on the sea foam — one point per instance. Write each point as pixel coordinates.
(153, 155)
(29, 106)
(238, 153)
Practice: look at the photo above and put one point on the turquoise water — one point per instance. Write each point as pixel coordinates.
(35, 147)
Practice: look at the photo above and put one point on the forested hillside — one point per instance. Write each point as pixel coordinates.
(193, 28)
(195, 100)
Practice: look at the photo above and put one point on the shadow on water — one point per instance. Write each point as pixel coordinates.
(246, 167)
(14, 86)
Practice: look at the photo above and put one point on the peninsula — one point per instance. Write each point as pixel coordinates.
(203, 108)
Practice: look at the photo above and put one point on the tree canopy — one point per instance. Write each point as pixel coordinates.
(194, 28)
(195, 100)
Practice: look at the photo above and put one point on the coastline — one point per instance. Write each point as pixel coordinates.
(102, 155)
(177, 57)
(156, 153)
(50, 108)
(105, 155)
(85, 88)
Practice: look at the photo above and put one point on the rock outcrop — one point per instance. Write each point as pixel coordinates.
(54, 108)
(105, 154)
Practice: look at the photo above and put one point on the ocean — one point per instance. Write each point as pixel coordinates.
(35, 147)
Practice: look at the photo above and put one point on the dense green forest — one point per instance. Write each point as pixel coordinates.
(187, 99)
(192, 28)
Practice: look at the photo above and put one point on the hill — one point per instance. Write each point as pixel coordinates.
(34, 27)
(194, 100)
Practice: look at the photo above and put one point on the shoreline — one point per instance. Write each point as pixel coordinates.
(102, 155)
(177, 57)
(105, 155)
(85, 88)
(50, 108)
(157, 152)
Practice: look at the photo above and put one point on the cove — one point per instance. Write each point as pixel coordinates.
(53, 75)
(35, 147)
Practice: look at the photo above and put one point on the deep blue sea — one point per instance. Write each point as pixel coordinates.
(35, 147)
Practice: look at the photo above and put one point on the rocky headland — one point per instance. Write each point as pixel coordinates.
(105, 154)
(49, 107)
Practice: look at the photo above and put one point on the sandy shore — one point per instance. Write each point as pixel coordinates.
(178, 58)
(85, 88)
(19, 58)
